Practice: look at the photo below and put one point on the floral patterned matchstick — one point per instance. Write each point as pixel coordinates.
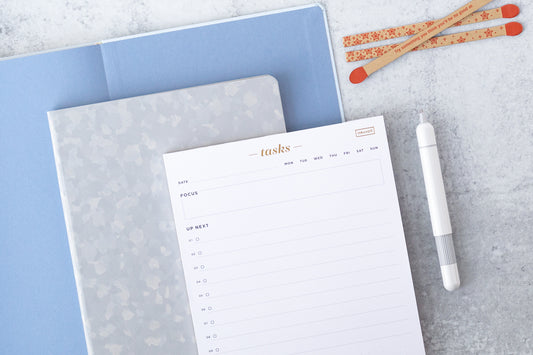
(510, 29)
(506, 11)
(358, 75)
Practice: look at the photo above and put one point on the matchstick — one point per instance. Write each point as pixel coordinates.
(510, 29)
(506, 11)
(361, 73)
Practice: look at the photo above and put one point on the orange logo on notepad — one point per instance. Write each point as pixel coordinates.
(368, 131)
(275, 150)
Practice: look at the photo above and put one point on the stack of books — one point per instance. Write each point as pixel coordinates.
(209, 194)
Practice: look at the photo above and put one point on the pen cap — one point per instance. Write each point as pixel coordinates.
(425, 134)
(433, 181)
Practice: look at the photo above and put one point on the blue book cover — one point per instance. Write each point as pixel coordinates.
(38, 290)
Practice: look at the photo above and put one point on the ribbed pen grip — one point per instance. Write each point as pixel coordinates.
(445, 249)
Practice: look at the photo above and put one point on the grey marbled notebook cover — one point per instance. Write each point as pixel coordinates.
(109, 159)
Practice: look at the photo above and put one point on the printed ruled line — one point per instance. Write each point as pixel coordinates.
(315, 321)
(302, 281)
(197, 181)
(312, 308)
(298, 253)
(286, 201)
(307, 172)
(296, 268)
(352, 343)
(315, 336)
(294, 240)
(309, 294)
(293, 225)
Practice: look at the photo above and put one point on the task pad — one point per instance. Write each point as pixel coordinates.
(293, 244)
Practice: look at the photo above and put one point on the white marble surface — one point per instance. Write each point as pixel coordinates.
(479, 97)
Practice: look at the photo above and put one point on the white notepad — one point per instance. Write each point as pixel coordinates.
(293, 244)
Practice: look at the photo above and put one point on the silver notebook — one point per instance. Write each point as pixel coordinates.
(109, 159)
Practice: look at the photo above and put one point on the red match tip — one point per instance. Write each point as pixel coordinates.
(510, 11)
(513, 28)
(358, 75)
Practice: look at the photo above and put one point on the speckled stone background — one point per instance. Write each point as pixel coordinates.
(478, 95)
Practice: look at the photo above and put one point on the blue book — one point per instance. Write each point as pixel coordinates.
(38, 293)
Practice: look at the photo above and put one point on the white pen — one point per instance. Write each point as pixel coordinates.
(438, 207)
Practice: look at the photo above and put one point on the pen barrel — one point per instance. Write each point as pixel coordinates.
(438, 207)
